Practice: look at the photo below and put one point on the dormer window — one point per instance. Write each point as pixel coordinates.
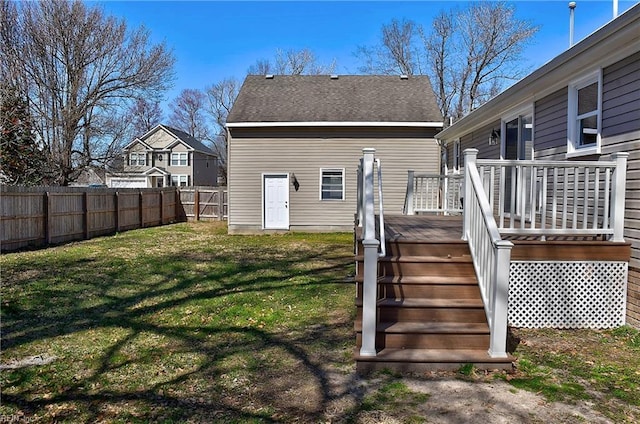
(137, 159)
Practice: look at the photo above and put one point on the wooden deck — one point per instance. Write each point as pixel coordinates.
(423, 227)
(440, 228)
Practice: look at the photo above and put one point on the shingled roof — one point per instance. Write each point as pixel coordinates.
(347, 98)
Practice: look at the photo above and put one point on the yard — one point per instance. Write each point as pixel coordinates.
(184, 323)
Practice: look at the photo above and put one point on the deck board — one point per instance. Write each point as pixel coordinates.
(439, 228)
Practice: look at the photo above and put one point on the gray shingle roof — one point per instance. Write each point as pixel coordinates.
(349, 98)
(189, 140)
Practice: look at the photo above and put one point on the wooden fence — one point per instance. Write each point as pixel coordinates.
(204, 203)
(39, 216)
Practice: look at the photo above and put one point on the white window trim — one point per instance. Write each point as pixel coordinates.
(179, 177)
(527, 110)
(138, 156)
(333, 169)
(177, 161)
(572, 116)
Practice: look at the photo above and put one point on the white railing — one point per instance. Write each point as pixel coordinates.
(366, 220)
(491, 255)
(433, 193)
(550, 198)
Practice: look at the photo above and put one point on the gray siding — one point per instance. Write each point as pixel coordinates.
(253, 152)
(621, 97)
(550, 125)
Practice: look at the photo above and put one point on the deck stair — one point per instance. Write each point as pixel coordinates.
(430, 312)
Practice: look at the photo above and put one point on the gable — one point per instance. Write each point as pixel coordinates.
(346, 99)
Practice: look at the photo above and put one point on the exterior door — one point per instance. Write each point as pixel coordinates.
(275, 201)
(518, 145)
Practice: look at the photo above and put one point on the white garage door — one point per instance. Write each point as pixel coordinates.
(128, 183)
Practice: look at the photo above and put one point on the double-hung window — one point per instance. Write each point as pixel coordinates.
(180, 180)
(585, 109)
(137, 159)
(332, 184)
(179, 159)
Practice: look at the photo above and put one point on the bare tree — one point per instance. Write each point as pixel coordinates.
(78, 69)
(470, 54)
(221, 96)
(188, 114)
(292, 62)
(493, 40)
(397, 53)
(145, 115)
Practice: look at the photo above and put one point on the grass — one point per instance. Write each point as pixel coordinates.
(176, 323)
(185, 323)
(602, 367)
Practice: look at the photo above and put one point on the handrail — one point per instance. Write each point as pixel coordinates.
(383, 244)
(545, 198)
(432, 193)
(491, 255)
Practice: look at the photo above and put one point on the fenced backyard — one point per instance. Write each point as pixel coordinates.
(40, 216)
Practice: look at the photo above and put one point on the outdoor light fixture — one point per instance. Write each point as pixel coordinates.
(296, 184)
(494, 137)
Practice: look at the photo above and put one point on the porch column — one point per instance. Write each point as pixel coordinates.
(618, 192)
(370, 244)
(470, 158)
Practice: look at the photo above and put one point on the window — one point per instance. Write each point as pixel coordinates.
(583, 131)
(180, 180)
(332, 184)
(457, 156)
(137, 159)
(179, 159)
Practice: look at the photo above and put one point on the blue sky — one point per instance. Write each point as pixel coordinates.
(213, 40)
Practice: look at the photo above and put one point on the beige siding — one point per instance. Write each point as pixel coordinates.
(250, 157)
(159, 139)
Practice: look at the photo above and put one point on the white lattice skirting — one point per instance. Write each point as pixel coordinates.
(567, 294)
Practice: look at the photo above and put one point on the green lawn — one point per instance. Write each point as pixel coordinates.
(184, 323)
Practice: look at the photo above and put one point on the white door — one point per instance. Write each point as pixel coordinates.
(276, 201)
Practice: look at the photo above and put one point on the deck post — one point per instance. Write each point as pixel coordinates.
(370, 245)
(470, 158)
(500, 301)
(408, 206)
(618, 195)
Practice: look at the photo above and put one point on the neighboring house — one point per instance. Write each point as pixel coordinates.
(583, 104)
(295, 143)
(89, 177)
(165, 156)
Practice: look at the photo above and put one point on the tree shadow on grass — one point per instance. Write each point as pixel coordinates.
(167, 346)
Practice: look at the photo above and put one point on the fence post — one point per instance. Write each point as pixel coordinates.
(47, 217)
(408, 201)
(196, 204)
(117, 207)
(470, 157)
(618, 195)
(161, 207)
(85, 215)
(141, 209)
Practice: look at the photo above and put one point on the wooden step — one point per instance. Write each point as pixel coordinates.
(422, 266)
(432, 335)
(428, 291)
(428, 341)
(422, 279)
(422, 248)
(420, 360)
(471, 315)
